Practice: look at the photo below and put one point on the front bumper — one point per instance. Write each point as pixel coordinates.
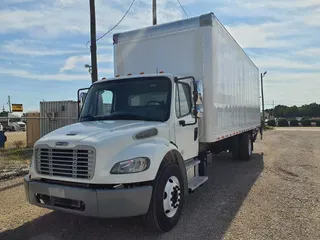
(106, 203)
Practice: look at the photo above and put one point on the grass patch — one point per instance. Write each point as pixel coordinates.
(11, 159)
(14, 154)
(268, 128)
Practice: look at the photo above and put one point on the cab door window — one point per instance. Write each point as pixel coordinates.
(183, 100)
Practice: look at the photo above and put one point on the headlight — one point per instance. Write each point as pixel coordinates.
(131, 166)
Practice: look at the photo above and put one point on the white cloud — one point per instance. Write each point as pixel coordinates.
(53, 20)
(287, 4)
(71, 62)
(33, 48)
(283, 78)
(313, 19)
(283, 62)
(43, 77)
(258, 36)
(11, 2)
(107, 71)
(74, 61)
(309, 52)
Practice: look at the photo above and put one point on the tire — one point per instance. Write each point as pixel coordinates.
(245, 147)
(235, 150)
(156, 217)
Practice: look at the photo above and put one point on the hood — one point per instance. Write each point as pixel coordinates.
(95, 130)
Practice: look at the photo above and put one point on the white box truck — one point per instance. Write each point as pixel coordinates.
(182, 91)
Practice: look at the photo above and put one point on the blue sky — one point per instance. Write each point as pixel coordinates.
(43, 43)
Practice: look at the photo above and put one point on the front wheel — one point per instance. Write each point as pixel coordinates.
(167, 198)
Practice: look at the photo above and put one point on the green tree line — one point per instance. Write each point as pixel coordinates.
(308, 110)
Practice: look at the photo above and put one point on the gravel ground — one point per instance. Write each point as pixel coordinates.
(274, 196)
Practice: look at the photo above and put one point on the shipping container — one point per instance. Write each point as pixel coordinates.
(57, 114)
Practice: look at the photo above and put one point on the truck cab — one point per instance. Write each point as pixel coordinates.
(160, 100)
(131, 153)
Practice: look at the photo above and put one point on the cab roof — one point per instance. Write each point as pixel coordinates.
(135, 76)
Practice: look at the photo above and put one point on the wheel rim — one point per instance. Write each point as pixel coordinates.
(171, 197)
(249, 146)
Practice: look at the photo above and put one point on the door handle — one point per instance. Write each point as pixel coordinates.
(195, 134)
(182, 123)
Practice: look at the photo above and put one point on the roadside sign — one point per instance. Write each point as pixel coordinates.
(17, 108)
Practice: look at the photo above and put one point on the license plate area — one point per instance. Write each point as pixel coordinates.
(57, 192)
(60, 202)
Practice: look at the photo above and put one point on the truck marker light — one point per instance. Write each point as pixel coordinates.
(161, 72)
(146, 134)
(142, 73)
(129, 74)
(118, 75)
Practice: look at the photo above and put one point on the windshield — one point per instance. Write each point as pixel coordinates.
(145, 98)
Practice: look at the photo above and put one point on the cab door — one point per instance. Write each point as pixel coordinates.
(186, 124)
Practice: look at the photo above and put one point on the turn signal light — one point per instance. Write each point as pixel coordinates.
(161, 72)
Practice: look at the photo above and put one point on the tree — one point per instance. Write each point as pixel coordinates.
(4, 114)
(307, 110)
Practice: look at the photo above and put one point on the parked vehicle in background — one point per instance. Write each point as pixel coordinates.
(183, 91)
(17, 126)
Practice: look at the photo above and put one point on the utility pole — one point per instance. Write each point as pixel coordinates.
(93, 48)
(9, 103)
(262, 98)
(154, 12)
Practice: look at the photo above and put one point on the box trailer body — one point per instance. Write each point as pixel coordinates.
(200, 47)
(182, 91)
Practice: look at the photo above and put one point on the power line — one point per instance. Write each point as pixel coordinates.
(116, 24)
(183, 9)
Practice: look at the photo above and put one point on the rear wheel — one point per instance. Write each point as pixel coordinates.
(167, 199)
(245, 147)
(235, 150)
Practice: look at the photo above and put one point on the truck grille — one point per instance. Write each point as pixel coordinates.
(73, 163)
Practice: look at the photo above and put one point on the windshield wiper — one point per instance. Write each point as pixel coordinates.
(117, 116)
(127, 116)
(87, 118)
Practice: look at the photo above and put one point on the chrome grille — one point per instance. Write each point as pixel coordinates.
(73, 163)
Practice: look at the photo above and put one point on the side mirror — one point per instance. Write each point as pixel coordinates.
(82, 94)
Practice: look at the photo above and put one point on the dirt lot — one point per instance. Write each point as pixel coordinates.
(274, 196)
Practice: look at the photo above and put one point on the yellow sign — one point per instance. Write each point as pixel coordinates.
(17, 108)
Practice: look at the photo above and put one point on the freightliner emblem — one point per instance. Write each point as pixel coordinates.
(62, 143)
